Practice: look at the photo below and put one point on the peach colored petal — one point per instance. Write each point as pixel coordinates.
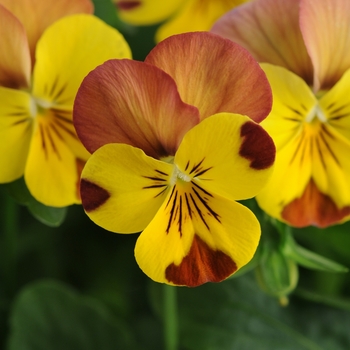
(135, 103)
(326, 26)
(269, 29)
(37, 15)
(214, 74)
(15, 57)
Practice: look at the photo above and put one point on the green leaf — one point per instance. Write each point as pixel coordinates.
(50, 315)
(235, 314)
(307, 258)
(49, 216)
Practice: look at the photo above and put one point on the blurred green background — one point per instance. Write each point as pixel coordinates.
(78, 286)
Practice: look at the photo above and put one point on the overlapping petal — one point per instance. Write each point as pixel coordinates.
(269, 29)
(15, 64)
(16, 127)
(327, 44)
(135, 103)
(195, 15)
(234, 160)
(37, 15)
(122, 188)
(145, 12)
(214, 74)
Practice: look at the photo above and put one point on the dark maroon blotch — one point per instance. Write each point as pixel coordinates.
(127, 5)
(257, 146)
(92, 195)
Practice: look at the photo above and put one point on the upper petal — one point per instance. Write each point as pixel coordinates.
(15, 63)
(214, 74)
(37, 15)
(145, 12)
(269, 30)
(327, 44)
(135, 103)
(122, 188)
(195, 15)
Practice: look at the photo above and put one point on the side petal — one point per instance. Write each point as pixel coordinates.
(122, 188)
(214, 74)
(146, 12)
(68, 50)
(16, 127)
(327, 45)
(37, 15)
(15, 64)
(185, 244)
(269, 30)
(51, 172)
(195, 15)
(227, 154)
(135, 103)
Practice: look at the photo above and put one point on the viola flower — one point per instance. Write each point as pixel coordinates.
(308, 69)
(44, 59)
(181, 15)
(165, 165)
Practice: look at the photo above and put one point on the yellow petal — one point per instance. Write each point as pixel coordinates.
(15, 63)
(51, 172)
(37, 15)
(67, 51)
(336, 105)
(227, 154)
(16, 127)
(293, 101)
(145, 12)
(122, 188)
(196, 15)
(193, 240)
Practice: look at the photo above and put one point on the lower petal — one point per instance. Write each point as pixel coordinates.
(122, 188)
(191, 243)
(16, 127)
(51, 173)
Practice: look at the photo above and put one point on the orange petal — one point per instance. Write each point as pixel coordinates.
(314, 208)
(37, 15)
(15, 57)
(269, 30)
(326, 26)
(135, 103)
(214, 74)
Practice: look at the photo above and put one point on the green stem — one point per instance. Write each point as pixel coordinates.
(170, 317)
(10, 236)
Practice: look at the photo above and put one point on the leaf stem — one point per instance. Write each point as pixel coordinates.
(170, 317)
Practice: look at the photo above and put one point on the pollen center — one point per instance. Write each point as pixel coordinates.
(316, 112)
(178, 174)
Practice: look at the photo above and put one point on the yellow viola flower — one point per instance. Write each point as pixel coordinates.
(44, 59)
(180, 15)
(173, 150)
(306, 49)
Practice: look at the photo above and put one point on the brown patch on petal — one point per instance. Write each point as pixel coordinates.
(257, 146)
(202, 264)
(127, 5)
(313, 208)
(92, 195)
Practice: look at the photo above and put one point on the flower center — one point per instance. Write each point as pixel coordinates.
(316, 112)
(39, 106)
(178, 174)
